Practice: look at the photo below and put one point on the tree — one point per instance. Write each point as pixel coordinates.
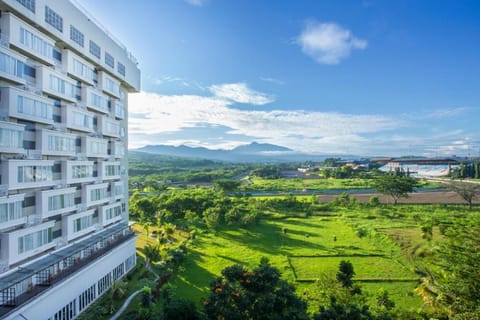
(467, 191)
(226, 186)
(341, 311)
(452, 286)
(152, 254)
(395, 186)
(241, 294)
(345, 274)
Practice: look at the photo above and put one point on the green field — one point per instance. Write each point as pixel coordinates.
(310, 247)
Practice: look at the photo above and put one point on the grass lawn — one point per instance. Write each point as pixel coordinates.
(305, 243)
(366, 268)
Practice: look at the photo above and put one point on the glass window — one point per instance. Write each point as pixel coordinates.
(11, 211)
(29, 4)
(109, 60)
(26, 174)
(82, 171)
(82, 223)
(36, 43)
(34, 240)
(10, 138)
(82, 120)
(121, 68)
(76, 36)
(99, 101)
(61, 201)
(63, 87)
(95, 49)
(11, 65)
(34, 108)
(83, 70)
(53, 19)
(61, 144)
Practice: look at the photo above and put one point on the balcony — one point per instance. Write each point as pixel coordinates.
(95, 100)
(109, 127)
(95, 194)
(95, 147)
(109, 85)
(11, 137)
(109, 170)
(26, 242)
(54, 202)
(78, 119)
(27, 39)
(55, 143)
(77, 171)
(117, 149)
(11, 67)
(111, 213)
(50, 270)
(118, 109)
(78, 68)
(56, 84)
(78, 224)
(11, 211)
(23, 174)
(21, 104)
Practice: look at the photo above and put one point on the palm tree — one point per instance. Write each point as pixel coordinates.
(152, 254)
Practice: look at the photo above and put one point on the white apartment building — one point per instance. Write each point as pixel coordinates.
(64, 235)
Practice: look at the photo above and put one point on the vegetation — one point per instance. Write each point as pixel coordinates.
(396, 186)
(347, 259)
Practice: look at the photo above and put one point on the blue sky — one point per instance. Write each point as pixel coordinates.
(352, 77)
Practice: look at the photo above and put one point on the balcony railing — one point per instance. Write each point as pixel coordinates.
(66, 261)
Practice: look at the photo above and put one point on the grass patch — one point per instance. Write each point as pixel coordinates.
(366, 268)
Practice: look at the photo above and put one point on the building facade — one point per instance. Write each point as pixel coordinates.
(64, 235)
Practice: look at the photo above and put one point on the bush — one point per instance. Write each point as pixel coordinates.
(374, 201)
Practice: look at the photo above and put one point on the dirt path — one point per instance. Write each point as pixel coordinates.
(441, 197)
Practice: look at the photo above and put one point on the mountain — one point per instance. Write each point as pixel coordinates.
(256, 147)
(253, 152)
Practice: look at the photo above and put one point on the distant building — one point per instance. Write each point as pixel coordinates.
(64, 235)
(420, 166)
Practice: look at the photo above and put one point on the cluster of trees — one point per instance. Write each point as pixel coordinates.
(261, 293)
(466, 170)
(194, 206)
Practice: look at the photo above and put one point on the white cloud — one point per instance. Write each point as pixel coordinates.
(296, 129)
(197, 3)
(328, 43)
(272, 80)
(241, 93)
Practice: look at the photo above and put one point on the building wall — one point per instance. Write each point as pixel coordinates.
(72, 288)
(64, 82)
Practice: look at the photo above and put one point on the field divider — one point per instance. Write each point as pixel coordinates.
(341, 255)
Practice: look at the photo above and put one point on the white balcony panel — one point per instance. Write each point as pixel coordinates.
(11, 66)
(118, 149)
(78, 224)
(95, 194)
(56, 143)
(78, 68)
(26, 242)
(95, 147)
(109, 127)
(56, 84)
(57, 201)
(118, 109)
(22, 104)
(11, 211)
(23, 174)
(110, 213)
(78, 119)
(11, 137)
(109, 85)
(118, 190)
(77, 171)
(27, 39)
(109, 170)
(95, 100)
